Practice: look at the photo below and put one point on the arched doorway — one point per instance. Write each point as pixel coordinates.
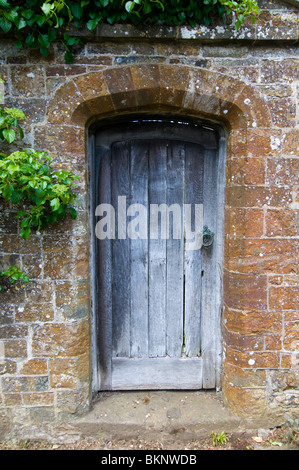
(169, 90)
(157, 211)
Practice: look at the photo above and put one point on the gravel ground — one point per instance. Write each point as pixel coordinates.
(283, 438)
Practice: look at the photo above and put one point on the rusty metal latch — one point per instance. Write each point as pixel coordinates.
(207, 236)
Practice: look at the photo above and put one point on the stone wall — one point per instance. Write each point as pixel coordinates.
(248, 83)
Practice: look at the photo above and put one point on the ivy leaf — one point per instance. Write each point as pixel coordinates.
(55, 204)
(77, 10)
(11, 15)
(43, 39)
(7, 192)
(47, 7)
(16, 197)
(21, 213)
(51, 34)
(40, 20)
(20, 23)
(5, 24)
(25, 232)
(30, 40)
(129, 6)
(92, 24)
(44, 51)
(73, 213)
(20, 131)
(9, 135)
(68, 57)
(27, 14)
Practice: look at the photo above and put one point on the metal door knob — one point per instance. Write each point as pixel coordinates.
(207, 236)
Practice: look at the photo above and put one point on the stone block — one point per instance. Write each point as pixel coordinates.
(245, 291)
(34, 367)
(62, 373)
(281, 222)
(248, 171)
(244, 342)
(7, 366)
(283, 112)
(58, 257)
(258, 196)
(282, 172)
(253, 359)
(284, 297)
(62, 143)
(38, 399)
(248, 403)
(263, 256)
(31, 313)
(245, 378)
(16, 349)
(253, 321)
(28, 81)
(67, 99)
(282, 71)
(291, 336)
(291, 142)
(60, 339)
(6, 313)
(244, 222)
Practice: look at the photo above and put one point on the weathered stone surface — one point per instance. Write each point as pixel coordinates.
(245, 402)
(263, 256)
(34, 367)
(60, 339)
(245, 291)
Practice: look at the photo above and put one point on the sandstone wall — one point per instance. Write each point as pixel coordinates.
(247, 82)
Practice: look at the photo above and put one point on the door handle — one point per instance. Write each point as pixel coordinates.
(207, 236)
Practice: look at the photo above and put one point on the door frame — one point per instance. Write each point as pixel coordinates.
(218, 244)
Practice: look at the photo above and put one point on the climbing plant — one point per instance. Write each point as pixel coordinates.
(28, 179)
(38, 23)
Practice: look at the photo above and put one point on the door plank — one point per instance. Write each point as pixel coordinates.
(139, 251)
(209, 283)
(157, 373)
(104, 273)
(175, 251)
(193, 195)
(157, 252)
(121, 272)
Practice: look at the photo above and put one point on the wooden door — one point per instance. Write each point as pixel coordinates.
(157, 319)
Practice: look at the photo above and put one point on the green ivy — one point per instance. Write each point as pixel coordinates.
(27, 176)
(9, 122)
(38, 23)
(12, 275)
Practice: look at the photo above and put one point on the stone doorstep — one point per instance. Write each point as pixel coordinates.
(166, 416)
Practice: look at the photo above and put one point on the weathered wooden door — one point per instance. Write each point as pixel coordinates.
(157, 289)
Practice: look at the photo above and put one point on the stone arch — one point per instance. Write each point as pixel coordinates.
(160, 88)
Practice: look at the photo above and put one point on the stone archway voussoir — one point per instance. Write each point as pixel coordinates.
(188, 90)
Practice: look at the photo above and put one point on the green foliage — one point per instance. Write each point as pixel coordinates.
(242, 10)
(27, 176)
(9, 121)
(219, 438)
(12, 275)
(35, 23)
